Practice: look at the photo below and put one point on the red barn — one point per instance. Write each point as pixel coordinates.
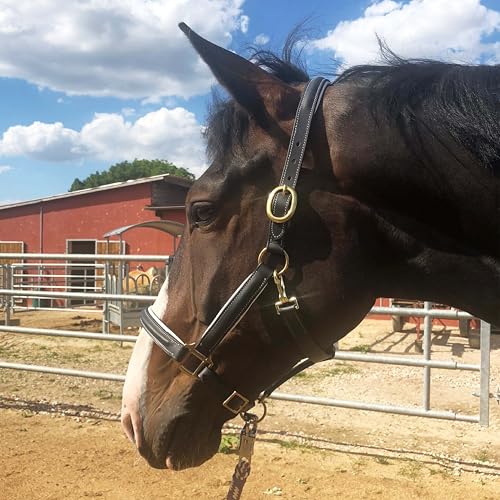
(75, 222)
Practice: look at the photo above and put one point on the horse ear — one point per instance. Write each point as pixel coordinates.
(260, 93)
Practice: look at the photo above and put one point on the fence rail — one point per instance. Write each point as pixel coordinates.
(422, 312)
(66, 282)
(7, 294)
(84, 256)
(77, 295)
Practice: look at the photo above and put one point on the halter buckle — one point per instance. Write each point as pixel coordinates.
(205, 362)
(242, 403)
(280, 219)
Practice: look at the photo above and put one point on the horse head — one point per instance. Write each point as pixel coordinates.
(353, 237)
(173, 418)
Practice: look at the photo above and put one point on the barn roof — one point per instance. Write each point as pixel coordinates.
(171, 179)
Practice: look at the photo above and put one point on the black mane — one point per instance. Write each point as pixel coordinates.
(450, 100)
(447, 99)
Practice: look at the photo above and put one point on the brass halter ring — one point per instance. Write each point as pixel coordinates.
(262, 254)
(251, 417)
(280, 219)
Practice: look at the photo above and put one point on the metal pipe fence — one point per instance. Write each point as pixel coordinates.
(27, 286)
(55, 309)
(55, 264)
(51, 332)
(422, 313)
(63, 371)
(78, 295)
(425, 362)
(40, 276)
(85, 256)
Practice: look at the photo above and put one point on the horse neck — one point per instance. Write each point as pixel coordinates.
(408, 265)
(439, 250)
(437, 216)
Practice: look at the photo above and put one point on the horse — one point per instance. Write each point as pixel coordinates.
(398, 196)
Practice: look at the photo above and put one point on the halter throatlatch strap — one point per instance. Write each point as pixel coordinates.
(280, 208)
(195, 359)
(282, 200)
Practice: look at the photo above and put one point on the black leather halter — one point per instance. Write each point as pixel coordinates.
(195, 359)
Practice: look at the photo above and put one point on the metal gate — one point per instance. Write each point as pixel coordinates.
(425, 361)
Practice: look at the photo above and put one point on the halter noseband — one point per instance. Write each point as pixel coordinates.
(195, 359)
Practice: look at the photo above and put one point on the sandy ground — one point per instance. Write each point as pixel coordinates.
(303, 451)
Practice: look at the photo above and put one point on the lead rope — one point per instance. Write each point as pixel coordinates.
(245, 452)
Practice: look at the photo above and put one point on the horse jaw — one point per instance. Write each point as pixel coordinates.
(136, 377)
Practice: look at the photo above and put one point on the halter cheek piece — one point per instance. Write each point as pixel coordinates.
(195, 359)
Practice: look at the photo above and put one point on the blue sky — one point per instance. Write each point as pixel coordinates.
(86, 83)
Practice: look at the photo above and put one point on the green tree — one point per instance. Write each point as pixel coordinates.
(77, 184)
(126, 170)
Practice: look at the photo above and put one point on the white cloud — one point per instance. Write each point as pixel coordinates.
(244, 22)
(123, 48)
(42, 141)
(381, 8)
(128, 111)
(261, 39)
(172, 134)
(441, 29)
(5, 168)
(151, 100)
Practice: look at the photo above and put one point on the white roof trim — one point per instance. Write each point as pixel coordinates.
(169, 178)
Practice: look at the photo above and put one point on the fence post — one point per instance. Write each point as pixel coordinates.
(3, 284)
(484, 391)
(105, 304)
(427, 356)
(122, 272)
(9, 299)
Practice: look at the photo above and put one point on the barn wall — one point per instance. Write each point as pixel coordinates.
(88, 216)
(22, 224)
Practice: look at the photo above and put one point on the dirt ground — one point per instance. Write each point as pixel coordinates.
(61, 439)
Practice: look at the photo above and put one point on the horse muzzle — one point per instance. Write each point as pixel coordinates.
(183, 432)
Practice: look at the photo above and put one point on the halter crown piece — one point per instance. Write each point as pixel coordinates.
(272, 263)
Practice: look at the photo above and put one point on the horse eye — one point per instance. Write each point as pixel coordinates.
(202, 213)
